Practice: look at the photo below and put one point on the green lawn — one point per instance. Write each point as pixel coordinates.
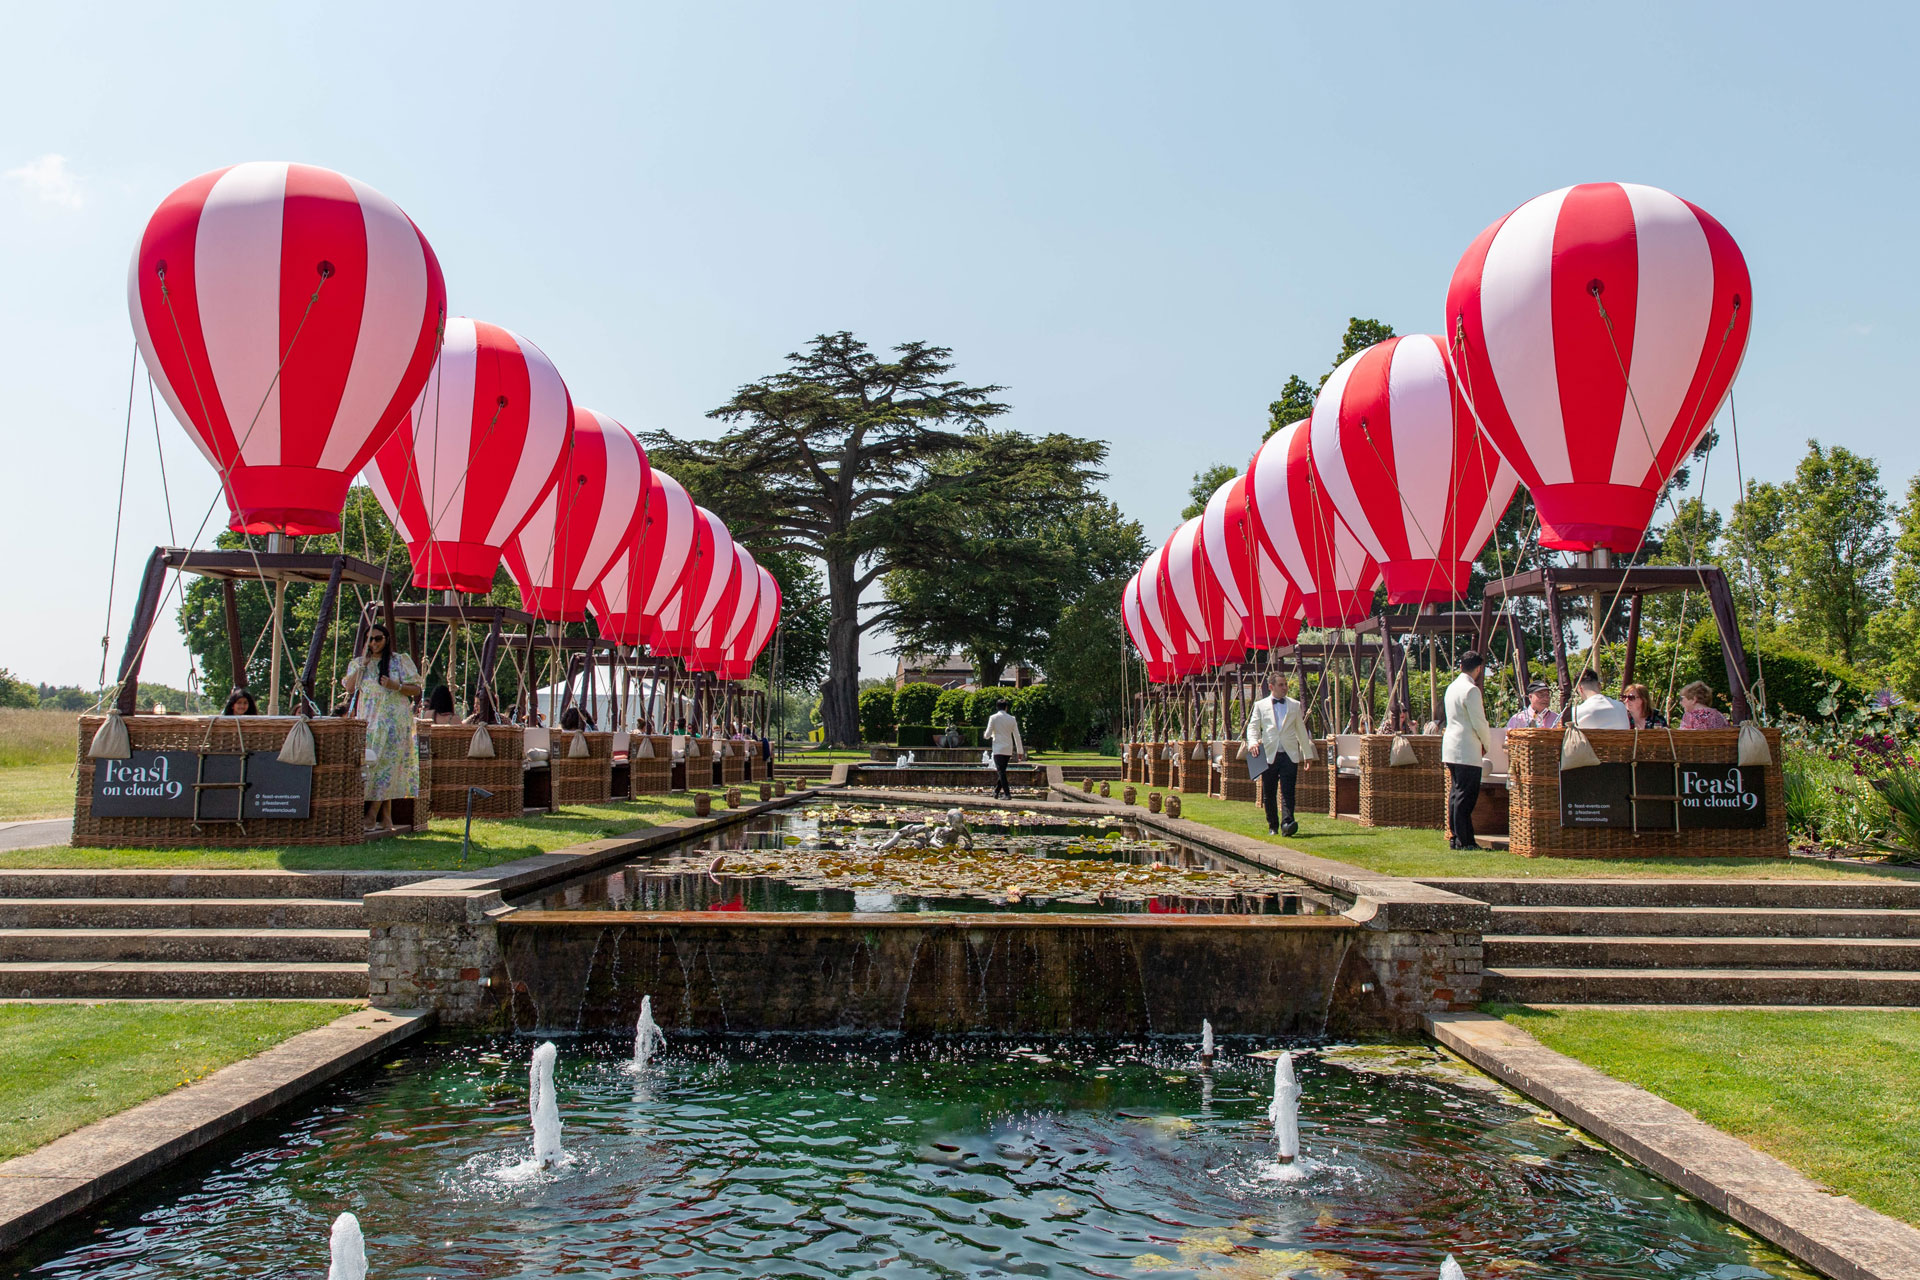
(1401, 851)
(435, 850)
(1830, 1093)
(71, 1064)
(36, 791)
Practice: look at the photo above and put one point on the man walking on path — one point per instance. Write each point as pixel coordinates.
(1468, 741)
(1277, 734)
(1004, 732)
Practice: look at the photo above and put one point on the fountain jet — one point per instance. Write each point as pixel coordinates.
(1450, 1270)
(348, 1250)
(1284, 1110)
(1206, 1043)
(647, 1036)
(544, 1106)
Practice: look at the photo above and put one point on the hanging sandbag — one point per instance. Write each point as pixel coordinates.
(722, 749)
(642, 750)
(1167, 752)
(693, 747)
(481, 747)
(1576, 752)
(298, 748)
(110, 739)
(1753, 745)
(1199, 751)
(579, 750)
(1402, 756)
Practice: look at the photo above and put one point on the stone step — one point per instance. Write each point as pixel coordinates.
(180, 913)
(170, 883)
(1882, 891)
(1878, 954)
(1700, 986)
(1704, 922)
(302, 946)
(47, 980)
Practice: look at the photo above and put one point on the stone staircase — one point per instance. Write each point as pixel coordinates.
(169, 934)
(1704, 942)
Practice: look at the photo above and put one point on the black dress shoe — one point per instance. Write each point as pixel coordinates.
(1273, 831)
(1290, 829)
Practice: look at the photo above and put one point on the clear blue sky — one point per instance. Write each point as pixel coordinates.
(1139, 218)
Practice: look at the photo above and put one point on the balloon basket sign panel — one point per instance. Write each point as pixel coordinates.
(202, 782)
(1641, 800)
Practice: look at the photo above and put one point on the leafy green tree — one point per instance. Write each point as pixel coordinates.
(15, 692)
(1296, 397)
(951, 708)
(1837, 547)
(1011, 567)
(802, 634)
(1691, 537)
(1205, 484)
(1895, 630)
(1085, 665)
(1753, 553)
(861, 463)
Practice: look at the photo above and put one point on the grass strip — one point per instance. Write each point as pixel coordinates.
(1830, 1092)
(71, 1064)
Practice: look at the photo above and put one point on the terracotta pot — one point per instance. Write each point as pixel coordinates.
(1086, 785)
(702, 804)
(733, 797)
(1173, 806)
(1153, 802)
(1129, 796)
(766, 791)
(1105, 788)
(780, 786)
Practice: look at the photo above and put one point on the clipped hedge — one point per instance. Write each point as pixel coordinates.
(877, 716)
(913, 704)
(1796, 680)
(951, 707)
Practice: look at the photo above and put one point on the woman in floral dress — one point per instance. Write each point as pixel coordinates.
(387, 683)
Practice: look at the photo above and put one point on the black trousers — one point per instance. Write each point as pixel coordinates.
(1276, 789)
(1001, 787)
(1463, 792)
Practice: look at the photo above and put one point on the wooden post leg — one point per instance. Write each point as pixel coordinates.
(1396, 706)
(152, 585)
(1558, 638)
(489, 659)
(1732, 649)
(386, 610)
(1517, 641)
(320, 628)
(1633, 638)
(1483, 631)
(236, 656)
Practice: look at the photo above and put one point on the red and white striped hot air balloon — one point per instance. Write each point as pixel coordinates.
(289, 315)
(1596, 329)
(1257, 592)
(709, 570)
(1216, 627)
(1294, 522)
(752, 640)
(480, 448)
(1407, 468)
(730, 615)
(1152, 608)
(1153, 652)
(630, 598)
(584, 523)
(1188, 646)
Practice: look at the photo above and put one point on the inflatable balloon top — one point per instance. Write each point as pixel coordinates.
(289, 315)
(1596, 330)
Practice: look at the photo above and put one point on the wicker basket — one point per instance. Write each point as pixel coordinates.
(1190, 775)
(415, 813)
(733, 765)
(651, 777)
(1410, 796)
(1533, 808)
(454, 771)
(339, 789)
(583, 780)
(1159, 769)
(1310, 784)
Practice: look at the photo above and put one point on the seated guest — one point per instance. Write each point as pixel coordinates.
(440, 705)
(341, 709)
(1640, 709)
(240, 703)
(1537, 714)
(1596, 710)
(573, 720)
(1697, 700)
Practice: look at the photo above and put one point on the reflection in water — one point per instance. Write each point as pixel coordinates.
(827, 1158)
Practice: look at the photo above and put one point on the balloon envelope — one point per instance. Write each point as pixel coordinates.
(477, 452)
(1596, 330)
(583, 523)
(1294, 522)
(289, 316)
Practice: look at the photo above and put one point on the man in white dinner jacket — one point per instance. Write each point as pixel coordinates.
(1277, 730)
(1003, 731)
(1467, 743)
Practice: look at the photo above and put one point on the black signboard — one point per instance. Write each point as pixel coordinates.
(160, 784)
(1685, 795)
